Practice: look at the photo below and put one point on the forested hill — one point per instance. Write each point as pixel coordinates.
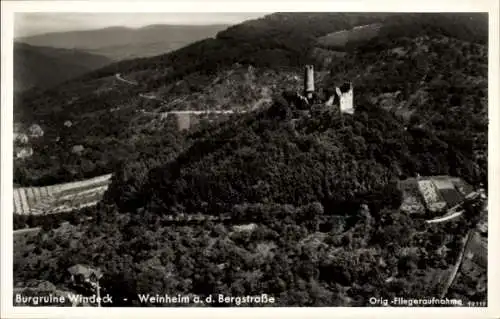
(120, 43)
(313, 214)
(285, 39)
(276, 157)
(45, 67)
(431, 69)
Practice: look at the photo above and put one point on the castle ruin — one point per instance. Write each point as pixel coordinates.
(345, 94)
(342, 97)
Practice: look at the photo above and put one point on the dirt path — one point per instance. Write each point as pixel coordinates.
(26, 230)
(454, 272)
(444, 219)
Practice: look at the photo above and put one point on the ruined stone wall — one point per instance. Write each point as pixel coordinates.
(346, 98)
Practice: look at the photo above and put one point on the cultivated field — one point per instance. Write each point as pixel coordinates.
(61, 197)
(340, 39)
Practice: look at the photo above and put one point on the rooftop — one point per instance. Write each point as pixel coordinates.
(451, 189)
(84, 270)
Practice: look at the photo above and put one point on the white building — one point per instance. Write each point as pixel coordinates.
(346, 97)
(24, 152)
(35, 131)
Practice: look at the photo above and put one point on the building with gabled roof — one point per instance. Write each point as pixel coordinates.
(83, 273)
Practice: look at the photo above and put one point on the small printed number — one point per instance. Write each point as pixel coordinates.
(476, 303)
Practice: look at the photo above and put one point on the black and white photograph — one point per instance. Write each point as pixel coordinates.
(249, 159)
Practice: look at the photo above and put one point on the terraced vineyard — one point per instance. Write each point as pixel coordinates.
(61, 197)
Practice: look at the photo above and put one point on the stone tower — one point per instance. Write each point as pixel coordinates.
(309, 81)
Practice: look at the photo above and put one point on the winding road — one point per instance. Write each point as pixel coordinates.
(118, 76)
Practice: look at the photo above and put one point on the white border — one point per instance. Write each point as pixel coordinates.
(9, 7)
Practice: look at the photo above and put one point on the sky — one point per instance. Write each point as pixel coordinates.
(26, 24)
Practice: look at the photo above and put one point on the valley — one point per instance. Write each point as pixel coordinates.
(120, 43)
(37, 67)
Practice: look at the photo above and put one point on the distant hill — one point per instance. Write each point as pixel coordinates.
(45, 67)
(119, 43)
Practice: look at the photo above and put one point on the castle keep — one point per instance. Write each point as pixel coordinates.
(342, 97)
(309, 82)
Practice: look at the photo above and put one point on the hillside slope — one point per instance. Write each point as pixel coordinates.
(44, 67)
(313, 216)
(431, 76)
(119, 43)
